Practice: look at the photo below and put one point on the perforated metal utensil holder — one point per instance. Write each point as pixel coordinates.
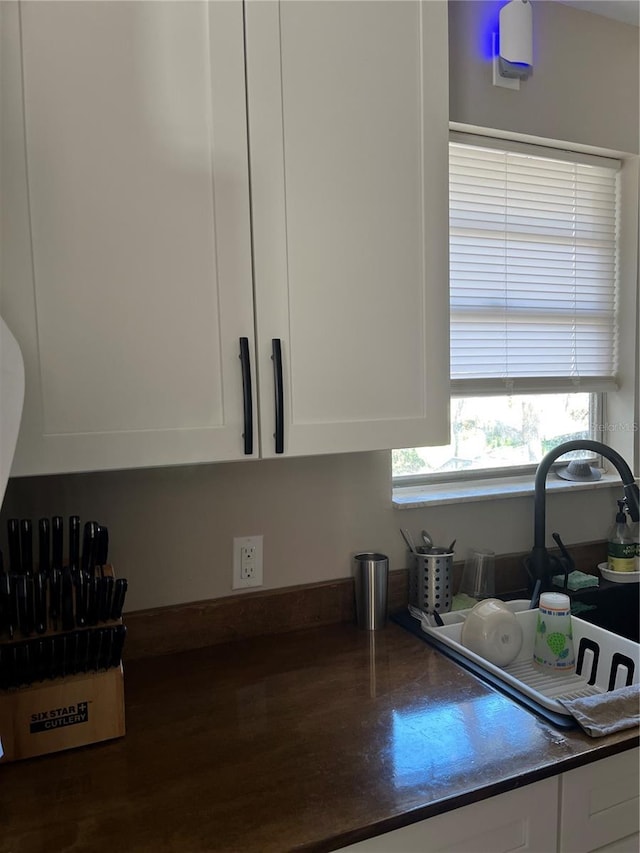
(431, 580)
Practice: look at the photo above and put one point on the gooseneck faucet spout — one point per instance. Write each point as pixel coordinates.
(539, 561)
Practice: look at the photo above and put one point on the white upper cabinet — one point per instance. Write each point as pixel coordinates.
(147, 229)
(348, 133)
(138, 286)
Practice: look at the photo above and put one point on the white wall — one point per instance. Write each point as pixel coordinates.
(171, 529)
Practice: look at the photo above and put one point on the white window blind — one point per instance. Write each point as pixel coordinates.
(533, 270)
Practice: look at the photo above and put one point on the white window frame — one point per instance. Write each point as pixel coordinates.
(616, 413)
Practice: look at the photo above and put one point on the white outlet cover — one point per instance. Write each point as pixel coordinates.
(238, 543)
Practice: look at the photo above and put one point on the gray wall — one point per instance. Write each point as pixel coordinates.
(172, 529)
(584, 86)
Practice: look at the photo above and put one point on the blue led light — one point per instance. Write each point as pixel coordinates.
(489, 26)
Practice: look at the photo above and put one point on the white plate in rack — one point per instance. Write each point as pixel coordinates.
(618, 577)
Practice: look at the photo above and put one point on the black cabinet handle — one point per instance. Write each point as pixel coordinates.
(247, 396)
(276, 348)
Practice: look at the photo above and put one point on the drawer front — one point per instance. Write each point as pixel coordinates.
(600, 803)
(500, 824)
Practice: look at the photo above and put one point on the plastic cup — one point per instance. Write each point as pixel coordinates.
(479, 574)
(553, 650)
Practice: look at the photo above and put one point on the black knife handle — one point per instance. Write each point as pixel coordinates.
(13, 531)
(23, 665)
(26, 545)
(119, 594)
(102, 545)
(6, 605)
(106, 650)
(278, 382)
(47, 657)
(31, 604)
(92, 601)
(39, 663)
(4, 667)
(82, 651)
(97, 638)
(106, 598)
(72, 652)
(82, 587)
(68, 620)
(74, 543)
(40, 602)
(247, 396)
(120, 633)
(23, 608)
(55, 592)
(89, 546)
(57, 535)
(63, 646)
(44, 545)
(9, 665)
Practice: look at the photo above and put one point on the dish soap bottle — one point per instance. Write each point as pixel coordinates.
(621, 548)
(635, 535)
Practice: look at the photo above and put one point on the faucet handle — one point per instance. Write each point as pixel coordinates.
(567, 563)
(632, 500)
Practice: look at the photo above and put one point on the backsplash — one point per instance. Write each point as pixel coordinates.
(237, 617)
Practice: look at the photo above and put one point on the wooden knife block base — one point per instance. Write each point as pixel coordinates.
(61, 714)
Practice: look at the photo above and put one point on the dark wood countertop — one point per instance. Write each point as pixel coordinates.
(307, 740)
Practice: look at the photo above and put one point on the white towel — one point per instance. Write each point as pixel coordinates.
(605, 713)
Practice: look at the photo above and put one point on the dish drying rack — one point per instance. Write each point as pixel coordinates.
(604, 661)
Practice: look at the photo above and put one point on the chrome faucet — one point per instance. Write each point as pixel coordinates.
(540, 561)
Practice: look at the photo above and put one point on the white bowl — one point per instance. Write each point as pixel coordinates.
(492, 631)
(618, 577)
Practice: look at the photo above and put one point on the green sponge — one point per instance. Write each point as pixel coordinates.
(463, 602)
(576, 580)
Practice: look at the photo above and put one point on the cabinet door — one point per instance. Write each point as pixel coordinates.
(348, 127)
(522, 820)
(135, 286)
(601, 806)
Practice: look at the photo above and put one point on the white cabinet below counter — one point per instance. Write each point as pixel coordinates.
(591, 809)
(601, 806)
(524, 819)
(185, 175)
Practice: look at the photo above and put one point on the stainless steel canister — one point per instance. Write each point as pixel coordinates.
(431, 579)
(371, 575)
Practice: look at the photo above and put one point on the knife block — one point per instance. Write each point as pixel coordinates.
(62, 713)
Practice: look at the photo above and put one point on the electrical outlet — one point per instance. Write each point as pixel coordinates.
(247, 561)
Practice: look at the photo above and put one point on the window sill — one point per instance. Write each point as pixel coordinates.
(471, 491)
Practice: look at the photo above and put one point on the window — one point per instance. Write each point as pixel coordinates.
(491, 434)
(533, 290)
